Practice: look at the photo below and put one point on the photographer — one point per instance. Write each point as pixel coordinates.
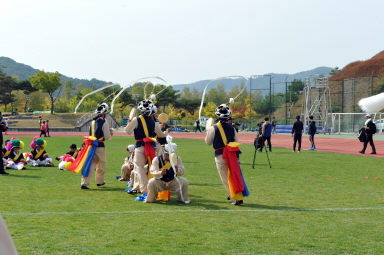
(2, 129)
(266, 133)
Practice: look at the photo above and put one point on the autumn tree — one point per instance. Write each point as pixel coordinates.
(47, 83)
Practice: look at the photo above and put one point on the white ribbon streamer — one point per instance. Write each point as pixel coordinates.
(221, 78)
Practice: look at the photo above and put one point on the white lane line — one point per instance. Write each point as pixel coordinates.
(199, 210)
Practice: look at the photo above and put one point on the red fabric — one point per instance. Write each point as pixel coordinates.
(149, 151)
(77, 161)
(67, 158)
(229, 154)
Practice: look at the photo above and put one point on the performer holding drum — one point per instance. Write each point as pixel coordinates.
(144, 130)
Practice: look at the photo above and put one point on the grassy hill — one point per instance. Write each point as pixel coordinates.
(22, 71)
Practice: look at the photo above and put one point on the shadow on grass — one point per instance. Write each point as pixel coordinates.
(106, 189)
(23, 176)
(269, 207)
(204, 184)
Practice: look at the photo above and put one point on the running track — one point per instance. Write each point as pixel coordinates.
(327, 144)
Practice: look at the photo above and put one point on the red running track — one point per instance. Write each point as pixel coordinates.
(327, 144)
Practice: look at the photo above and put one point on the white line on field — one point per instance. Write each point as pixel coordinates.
(199, 210)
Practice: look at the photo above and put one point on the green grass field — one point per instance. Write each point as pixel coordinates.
(47, 213)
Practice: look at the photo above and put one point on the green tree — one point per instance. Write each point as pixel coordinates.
(295, 89)
(186, 93)
(190, 105)
(27, 88)
(7, 86)
(47, 83)
(334, 71)
(168, 96)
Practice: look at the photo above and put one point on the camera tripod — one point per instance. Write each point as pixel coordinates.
(259, 145)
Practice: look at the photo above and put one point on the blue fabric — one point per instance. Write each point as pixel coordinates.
(88, 161)
(98, 130)
(141, 198)
(245, 191)
(229, 132)
(139, 131)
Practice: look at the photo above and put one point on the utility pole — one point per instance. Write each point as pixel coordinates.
(286, 101)
(270, 96)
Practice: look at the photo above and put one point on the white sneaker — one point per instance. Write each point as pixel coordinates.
(187, 202)
(20, 167)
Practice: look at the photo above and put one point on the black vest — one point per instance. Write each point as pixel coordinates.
(170, 175)
(98, 130)
(12, 156)
(139, 131)
(34, 153)
(229, 132)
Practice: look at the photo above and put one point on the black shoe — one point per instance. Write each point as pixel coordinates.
(228, 198)
(84, 187)
(3, 172)
(238, 202)
(57, 158)
(98, 185)
(132, 192)
(362, 152)
(373, 152)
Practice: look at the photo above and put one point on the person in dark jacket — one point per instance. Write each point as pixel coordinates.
(197, 126)
(370, 129)
(266, 133)
(312, 132)
(297, 131)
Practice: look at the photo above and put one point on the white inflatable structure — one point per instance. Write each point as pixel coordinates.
(372, 104)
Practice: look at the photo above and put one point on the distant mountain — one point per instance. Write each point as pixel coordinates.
(261, 82)
(22, 71)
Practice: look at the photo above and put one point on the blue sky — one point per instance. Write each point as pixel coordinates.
(184, 41)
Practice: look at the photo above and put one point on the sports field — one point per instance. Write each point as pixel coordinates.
(308, 203)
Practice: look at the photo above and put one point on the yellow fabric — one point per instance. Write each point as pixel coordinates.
(80, 166)
(39, 154)
(233, 144)
(144, 124)
(221, 130)
(75, 154)
(17, 156)
(6, 154)
(163, 195)
(237, 196)
(166, 166)
(93, 131)
(149, 167)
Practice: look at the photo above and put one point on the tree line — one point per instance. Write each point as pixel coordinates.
(44, 91)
